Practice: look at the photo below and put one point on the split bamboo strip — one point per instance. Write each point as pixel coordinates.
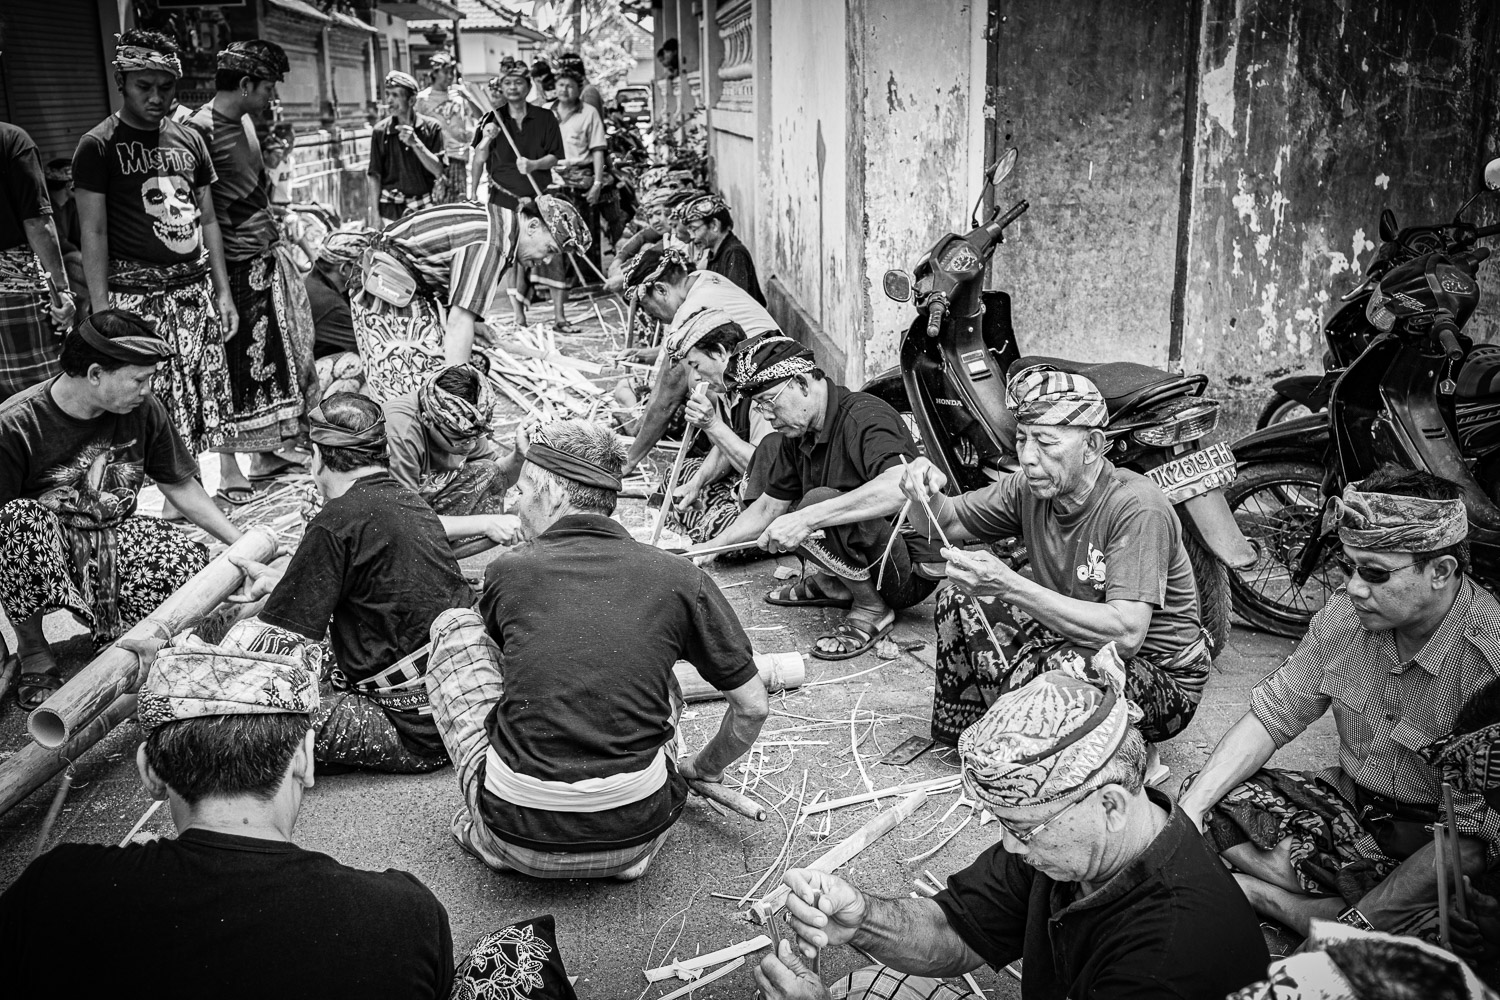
(762, 910)
(704, 961)
(942, 843)
(945, 784)
(53, 811)
(30, 767)
(1455, 856)
(778, 671)
(145, 818)
(117, 671)
(698, 984)
(666, 500)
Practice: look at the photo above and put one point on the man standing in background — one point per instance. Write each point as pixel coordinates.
(30, 318)
(406, 155)
(453, 107)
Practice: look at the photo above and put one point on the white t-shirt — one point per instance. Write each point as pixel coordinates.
(708, 290)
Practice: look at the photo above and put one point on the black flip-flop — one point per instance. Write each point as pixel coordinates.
(35, 686)
(863, 631)
(286, 468)
(235, 496)
(783, 597)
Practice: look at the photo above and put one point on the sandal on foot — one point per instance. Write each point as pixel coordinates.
(285, 467)
(235, 496)
(36, 685)
(863, 632)
(805, 592)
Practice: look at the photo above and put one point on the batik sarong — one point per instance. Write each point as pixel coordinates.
(354, 728)
(856, 552)
(876, 982)
(717, 506)
(453, 186)
(476, 487)
(110, 575)
(28, 343)
(400, 346)
(179, 300)
(971, 673)
(265, 395)
(464, 684)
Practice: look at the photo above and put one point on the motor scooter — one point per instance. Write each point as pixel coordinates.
(958, 354)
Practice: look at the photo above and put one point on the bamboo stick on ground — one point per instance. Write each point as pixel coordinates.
(778, 671)
(117, 671)
(945, 784)
(729, 799)
(712, 958)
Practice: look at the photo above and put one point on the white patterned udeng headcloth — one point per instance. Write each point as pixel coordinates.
(694, 328)
(135, 58)
(257, 669)
(1048, 738)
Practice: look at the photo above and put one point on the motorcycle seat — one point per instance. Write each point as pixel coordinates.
(1122, 383)
(1479, 378)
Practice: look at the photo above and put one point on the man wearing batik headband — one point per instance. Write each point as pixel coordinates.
(372, 572)
(406, 155)
(75, 451)
(557, 701)
(837, 471)
(440, 448)
(1107, 557)
(270, 355)
(151, 238)
(711, 226)
(231, 905)
(1396, 654)
(1100, 884)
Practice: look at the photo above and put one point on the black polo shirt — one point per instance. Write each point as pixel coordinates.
(861, 437)
(590, 623)
(732, 259)
(396, 166)
(1172, 924)
(537, 135)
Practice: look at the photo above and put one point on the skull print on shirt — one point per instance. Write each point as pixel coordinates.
(174, 212)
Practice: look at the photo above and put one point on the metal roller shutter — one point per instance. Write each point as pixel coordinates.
(53, 71)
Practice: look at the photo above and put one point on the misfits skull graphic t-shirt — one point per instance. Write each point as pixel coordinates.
(149, 179)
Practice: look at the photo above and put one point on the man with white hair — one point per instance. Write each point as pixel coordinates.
(558, 702)
(1107, 554)
(1098, 882)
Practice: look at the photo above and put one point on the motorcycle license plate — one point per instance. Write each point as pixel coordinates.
(1195, 474)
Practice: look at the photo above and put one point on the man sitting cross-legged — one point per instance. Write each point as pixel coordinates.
(559, 705)
(838, 470)
(1397, 654)
(373, 571)
(75, 451)
(231, 908)
(1100, 883)
(1107, 552)
(440, 446)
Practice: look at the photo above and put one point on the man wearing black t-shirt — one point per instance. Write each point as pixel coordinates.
(372, 572)
(838, 471)
(231, 908)
(1102, 885)
(568, 759)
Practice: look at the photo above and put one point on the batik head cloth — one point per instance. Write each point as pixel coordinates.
(454, 417)
(256, 57)
(513, 68)
(649, 265)
(136, 58)
(440, 59)
(755, 367)
(1388, 523)
(565, 224)
(1043, 395)
(699, 324)
(396, 78)
(257, 669)
(1047, 739)
(702, 207)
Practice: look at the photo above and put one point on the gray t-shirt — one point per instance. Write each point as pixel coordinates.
(1124, 544)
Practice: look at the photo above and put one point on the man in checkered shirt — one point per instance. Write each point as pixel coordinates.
(1396, 655)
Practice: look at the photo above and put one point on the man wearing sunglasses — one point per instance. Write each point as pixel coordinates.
(1098, 882)
(1395, 655)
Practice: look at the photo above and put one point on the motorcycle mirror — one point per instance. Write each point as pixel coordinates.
(897, 286)
(1007, 163)
(1388, 227)
(1492, 174)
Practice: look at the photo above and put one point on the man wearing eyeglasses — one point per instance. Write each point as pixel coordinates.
(1395, 654)
(1098, 882)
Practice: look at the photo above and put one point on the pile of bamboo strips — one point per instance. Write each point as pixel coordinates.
(540, 379)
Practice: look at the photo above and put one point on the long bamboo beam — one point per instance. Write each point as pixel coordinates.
(779, 672)
(117, 671)
(33, 766)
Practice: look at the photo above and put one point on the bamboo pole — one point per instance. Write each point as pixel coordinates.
(712, 958)
(778, 671)
(729, 799)
(32, 766)
(666, 500)
(117, 671)
(763, 909)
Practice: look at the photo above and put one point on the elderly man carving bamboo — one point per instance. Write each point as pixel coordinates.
(1098, 882)
(1396, 655)
(1107, 552)
(559, 705)
(837, 471)
(231, 906)
(373, 570)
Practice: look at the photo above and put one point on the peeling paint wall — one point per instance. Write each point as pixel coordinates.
(1315, 115)
(1091, 91)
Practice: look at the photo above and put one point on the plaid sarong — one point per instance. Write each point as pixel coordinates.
(877, 982)
(971, 673)
(464, 683)
(28, 343)
(179, 299)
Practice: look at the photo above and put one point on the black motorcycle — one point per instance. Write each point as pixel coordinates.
(1406, 387)
(960, 351)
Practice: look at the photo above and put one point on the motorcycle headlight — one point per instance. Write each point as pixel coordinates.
(1379, 316)
(1182, 420)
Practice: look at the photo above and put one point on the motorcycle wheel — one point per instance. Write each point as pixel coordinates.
(1279, 408)
(1276, 505)
(1214, 602)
